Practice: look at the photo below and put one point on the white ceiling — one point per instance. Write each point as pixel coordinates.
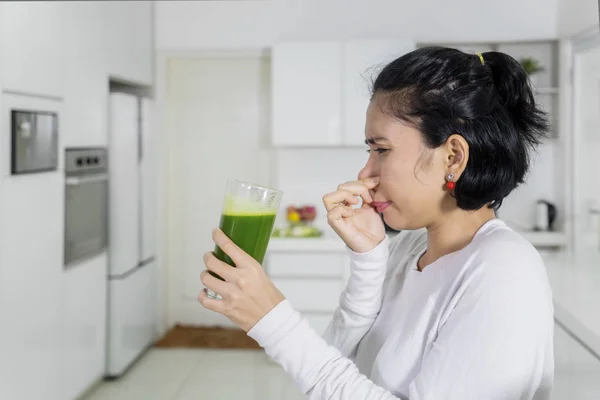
(248, 23)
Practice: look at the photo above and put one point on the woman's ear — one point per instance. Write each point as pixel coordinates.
(457, 150)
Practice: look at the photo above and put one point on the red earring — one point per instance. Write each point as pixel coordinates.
(450, 185)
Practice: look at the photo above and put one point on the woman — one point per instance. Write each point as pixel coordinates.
(457, 306)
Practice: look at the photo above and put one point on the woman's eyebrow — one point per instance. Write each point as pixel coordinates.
(374, 140)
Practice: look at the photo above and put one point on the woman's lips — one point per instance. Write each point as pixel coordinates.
(380, 206)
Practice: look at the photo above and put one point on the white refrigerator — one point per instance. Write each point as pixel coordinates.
(132, 287)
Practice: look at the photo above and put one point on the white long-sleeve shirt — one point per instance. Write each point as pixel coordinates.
(475, 324)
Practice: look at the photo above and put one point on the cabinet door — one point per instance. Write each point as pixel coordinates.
(130, 49)
(84, 75)
(306, 87)
(363, 60)
(311, 295)
(30, 44)
(124, 184)
(148, 182)
(305, 265)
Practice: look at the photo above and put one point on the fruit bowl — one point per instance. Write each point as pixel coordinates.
(304, 214)
(299, 223)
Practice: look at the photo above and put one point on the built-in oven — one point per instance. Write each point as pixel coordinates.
(86, 204)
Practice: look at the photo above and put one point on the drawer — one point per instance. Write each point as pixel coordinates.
(306, 295)
(319, 322)
(307, 265)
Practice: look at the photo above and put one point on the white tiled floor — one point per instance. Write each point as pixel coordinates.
(186, 374)
(234, 374)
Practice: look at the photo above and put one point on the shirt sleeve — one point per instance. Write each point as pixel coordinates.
(319, 369)
(361, 301)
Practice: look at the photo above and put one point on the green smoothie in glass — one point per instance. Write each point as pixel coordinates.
(248, 216)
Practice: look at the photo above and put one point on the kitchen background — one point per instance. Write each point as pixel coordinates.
(121, 122)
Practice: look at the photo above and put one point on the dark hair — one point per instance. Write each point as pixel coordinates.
(442, 91)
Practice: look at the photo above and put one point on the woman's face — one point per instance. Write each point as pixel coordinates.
(411, 192)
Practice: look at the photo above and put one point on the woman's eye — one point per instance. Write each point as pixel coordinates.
(378, 150)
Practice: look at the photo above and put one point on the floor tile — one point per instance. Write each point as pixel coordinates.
(161, 364)
(272, 382)
(134, 391)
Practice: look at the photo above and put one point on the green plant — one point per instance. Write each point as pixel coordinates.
(531, 65)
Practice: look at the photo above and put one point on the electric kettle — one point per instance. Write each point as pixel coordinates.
(545, 215)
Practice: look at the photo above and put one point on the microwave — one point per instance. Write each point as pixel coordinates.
(34, 136)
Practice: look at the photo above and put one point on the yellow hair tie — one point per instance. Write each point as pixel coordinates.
(481, 58)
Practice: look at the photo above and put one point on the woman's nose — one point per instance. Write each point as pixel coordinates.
(370, 170)
(365, 173)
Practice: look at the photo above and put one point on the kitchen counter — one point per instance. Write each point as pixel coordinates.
(575, 281)
(326, 243)
(330, 242)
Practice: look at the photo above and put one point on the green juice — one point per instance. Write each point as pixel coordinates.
(251, 232)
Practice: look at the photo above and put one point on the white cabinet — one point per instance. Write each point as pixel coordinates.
(363, 60)
(31, 259)
(131, 321)
(84, 74)
(84, 299)
(148, 180)
(321, 89)
(129, 40)
(124, 184)
(311, 295)
(311, 280)
(300, 264)
(30, 44)
(306, 85)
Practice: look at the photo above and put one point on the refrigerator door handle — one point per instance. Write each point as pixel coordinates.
(140, 131)
(140, 143)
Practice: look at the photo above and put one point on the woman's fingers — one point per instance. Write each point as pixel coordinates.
(240, 258)
(361, 188)
(348, 192)
(334, 199)
(220, 268)
(215, 284)
(211, 304)
(338, 213)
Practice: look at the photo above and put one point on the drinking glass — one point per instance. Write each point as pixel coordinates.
(247, 218)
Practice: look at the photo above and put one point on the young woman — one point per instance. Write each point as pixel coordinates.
(456, 306)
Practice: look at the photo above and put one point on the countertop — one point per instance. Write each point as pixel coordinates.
(575, 282)
(330, 242)
(326, 243)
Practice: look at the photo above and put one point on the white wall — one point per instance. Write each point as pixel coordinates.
(305, 175)
(576, 16)
(235, 24)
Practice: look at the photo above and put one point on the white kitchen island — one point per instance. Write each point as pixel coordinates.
(575, 281)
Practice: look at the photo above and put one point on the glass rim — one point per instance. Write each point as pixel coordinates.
(254, 185)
